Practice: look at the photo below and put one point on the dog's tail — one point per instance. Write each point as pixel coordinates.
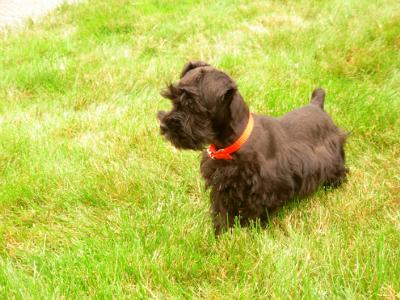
(318, 97)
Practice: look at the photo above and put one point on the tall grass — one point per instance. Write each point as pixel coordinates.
(93, 203)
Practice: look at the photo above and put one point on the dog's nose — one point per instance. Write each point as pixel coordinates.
(163, 128)
(161, 114)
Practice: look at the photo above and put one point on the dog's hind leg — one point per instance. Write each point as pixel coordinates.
(338, 175)
(338, 178)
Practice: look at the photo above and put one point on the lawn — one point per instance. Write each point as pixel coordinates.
(94, 203)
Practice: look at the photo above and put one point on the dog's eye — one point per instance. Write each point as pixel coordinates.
(187, 102)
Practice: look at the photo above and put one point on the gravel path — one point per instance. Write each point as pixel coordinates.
(15, 12)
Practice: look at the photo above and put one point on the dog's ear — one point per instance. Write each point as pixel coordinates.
(217, 89)
(193, 65)
(222, 112)
(229, 93)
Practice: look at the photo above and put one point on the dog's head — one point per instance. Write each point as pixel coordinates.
(200, 106)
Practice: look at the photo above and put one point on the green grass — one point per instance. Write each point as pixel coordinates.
(93, 202)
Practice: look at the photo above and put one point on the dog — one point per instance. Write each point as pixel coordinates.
(254, 164)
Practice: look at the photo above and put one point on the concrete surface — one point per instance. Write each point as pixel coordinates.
(16, 12)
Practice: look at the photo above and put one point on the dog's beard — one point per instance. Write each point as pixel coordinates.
(181, 141)
(186, 132)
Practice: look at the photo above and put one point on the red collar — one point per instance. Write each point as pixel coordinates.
(225, 153)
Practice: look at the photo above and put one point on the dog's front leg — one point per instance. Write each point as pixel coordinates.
(222, 221)
(222, 217)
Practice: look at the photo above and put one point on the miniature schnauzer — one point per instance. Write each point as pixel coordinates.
(254, 164)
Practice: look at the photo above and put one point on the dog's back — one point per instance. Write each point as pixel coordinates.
(307, 145)
(309, 123)
(312, 134)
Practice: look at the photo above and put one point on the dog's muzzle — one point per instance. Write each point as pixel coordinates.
(161, 115)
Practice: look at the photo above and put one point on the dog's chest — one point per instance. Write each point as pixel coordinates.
(237, 175)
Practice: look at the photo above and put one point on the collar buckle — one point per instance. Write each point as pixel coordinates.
(210, 153)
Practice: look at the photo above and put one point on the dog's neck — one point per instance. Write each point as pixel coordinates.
(239, 115)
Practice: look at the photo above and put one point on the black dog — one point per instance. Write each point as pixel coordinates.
(271, 160)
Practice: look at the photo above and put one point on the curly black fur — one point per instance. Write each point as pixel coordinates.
(284, 157)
